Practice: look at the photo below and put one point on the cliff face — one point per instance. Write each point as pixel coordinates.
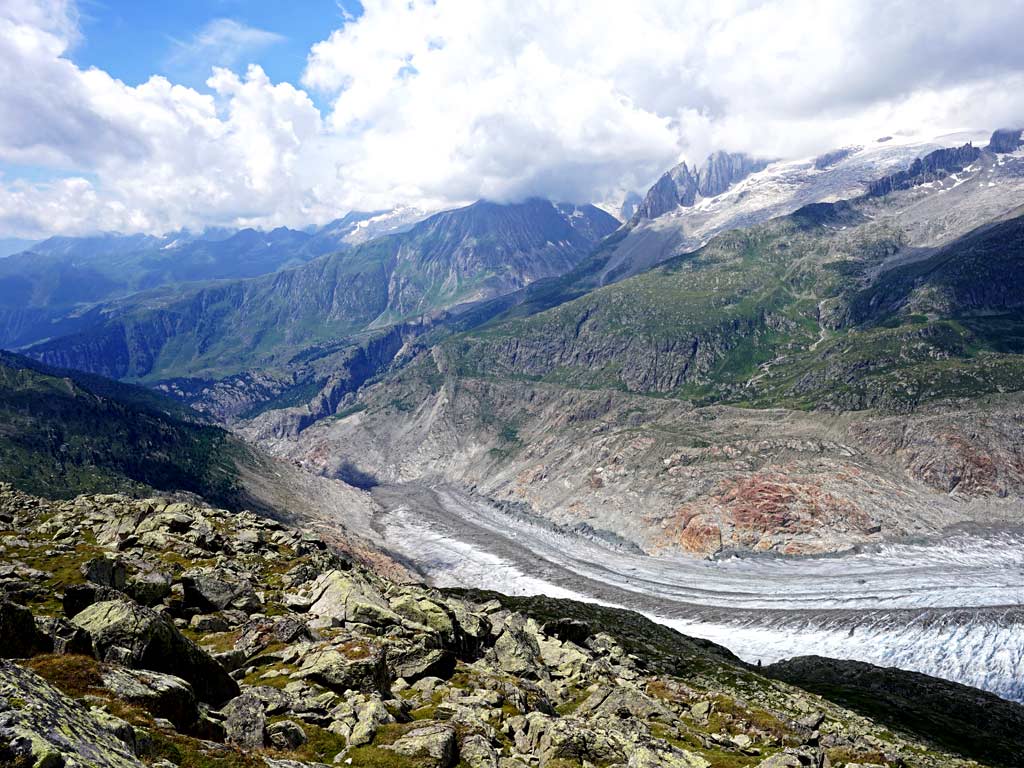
(681, 185)
(932, 167)
(1006, 140)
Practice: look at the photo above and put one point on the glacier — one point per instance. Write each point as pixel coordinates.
(952, 608)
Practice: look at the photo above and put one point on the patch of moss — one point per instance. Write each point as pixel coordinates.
(76, 676)
(321, 745)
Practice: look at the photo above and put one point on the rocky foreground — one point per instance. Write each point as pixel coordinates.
(164, 632)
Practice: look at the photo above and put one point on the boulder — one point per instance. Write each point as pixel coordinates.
(148, 585)
(259, 634)
(476, 752)
(354, 666)
(106, 572)
(369, 717)
(286, 735)
(19, 636)
(65, 637)
(517, 650)
(347, 596)
(425, 612)
(246, 721)
(78, 597)
(124, 730)
(569, 738)
(781, 760)
(418, 662)
(217, 590)
(136, 636)
(664, 756)
(474, 628)
(40, 726)
(622, 702)
(208, 623)
(432, 746)
(562, 659)
(161, 695)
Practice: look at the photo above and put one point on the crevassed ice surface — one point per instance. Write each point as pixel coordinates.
(952, 608)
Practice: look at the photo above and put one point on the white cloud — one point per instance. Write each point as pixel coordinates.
(220, 43)
(438, 103)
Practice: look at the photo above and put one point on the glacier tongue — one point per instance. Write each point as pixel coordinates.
(953, 608)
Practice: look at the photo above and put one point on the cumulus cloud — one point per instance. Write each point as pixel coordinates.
(437, 103)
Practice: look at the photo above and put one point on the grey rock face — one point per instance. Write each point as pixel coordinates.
(676, 187)
(723, 169)
(681, 185)
(933, 166)
(1005, 140)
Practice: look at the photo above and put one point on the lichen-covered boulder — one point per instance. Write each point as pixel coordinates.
(161, 695)
(42, 727)
(432, 746)
(347, 596)
(107, 572)
(664, 756)
(286, 735)
(135, 636)
(355, 666)
(246, 721)
(517, 650)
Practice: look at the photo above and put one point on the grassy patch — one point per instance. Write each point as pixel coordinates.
(76, 676)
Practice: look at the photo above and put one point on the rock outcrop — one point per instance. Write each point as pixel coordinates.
(681, 185)
(932, 167)
(1005, 140)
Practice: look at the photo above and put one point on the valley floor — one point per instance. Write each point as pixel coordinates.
(952, 608)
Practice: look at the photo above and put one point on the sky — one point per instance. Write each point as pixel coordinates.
(129, 116)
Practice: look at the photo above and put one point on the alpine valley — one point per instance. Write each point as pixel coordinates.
(734, 477)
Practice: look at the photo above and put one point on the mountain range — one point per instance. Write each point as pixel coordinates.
(849, 324)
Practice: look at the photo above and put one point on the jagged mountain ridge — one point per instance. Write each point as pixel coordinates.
(681, 185)
(451, 258)
(758, 191)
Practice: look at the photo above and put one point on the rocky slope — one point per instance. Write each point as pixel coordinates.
(65, 432)
(156, 632)
(672, 478)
